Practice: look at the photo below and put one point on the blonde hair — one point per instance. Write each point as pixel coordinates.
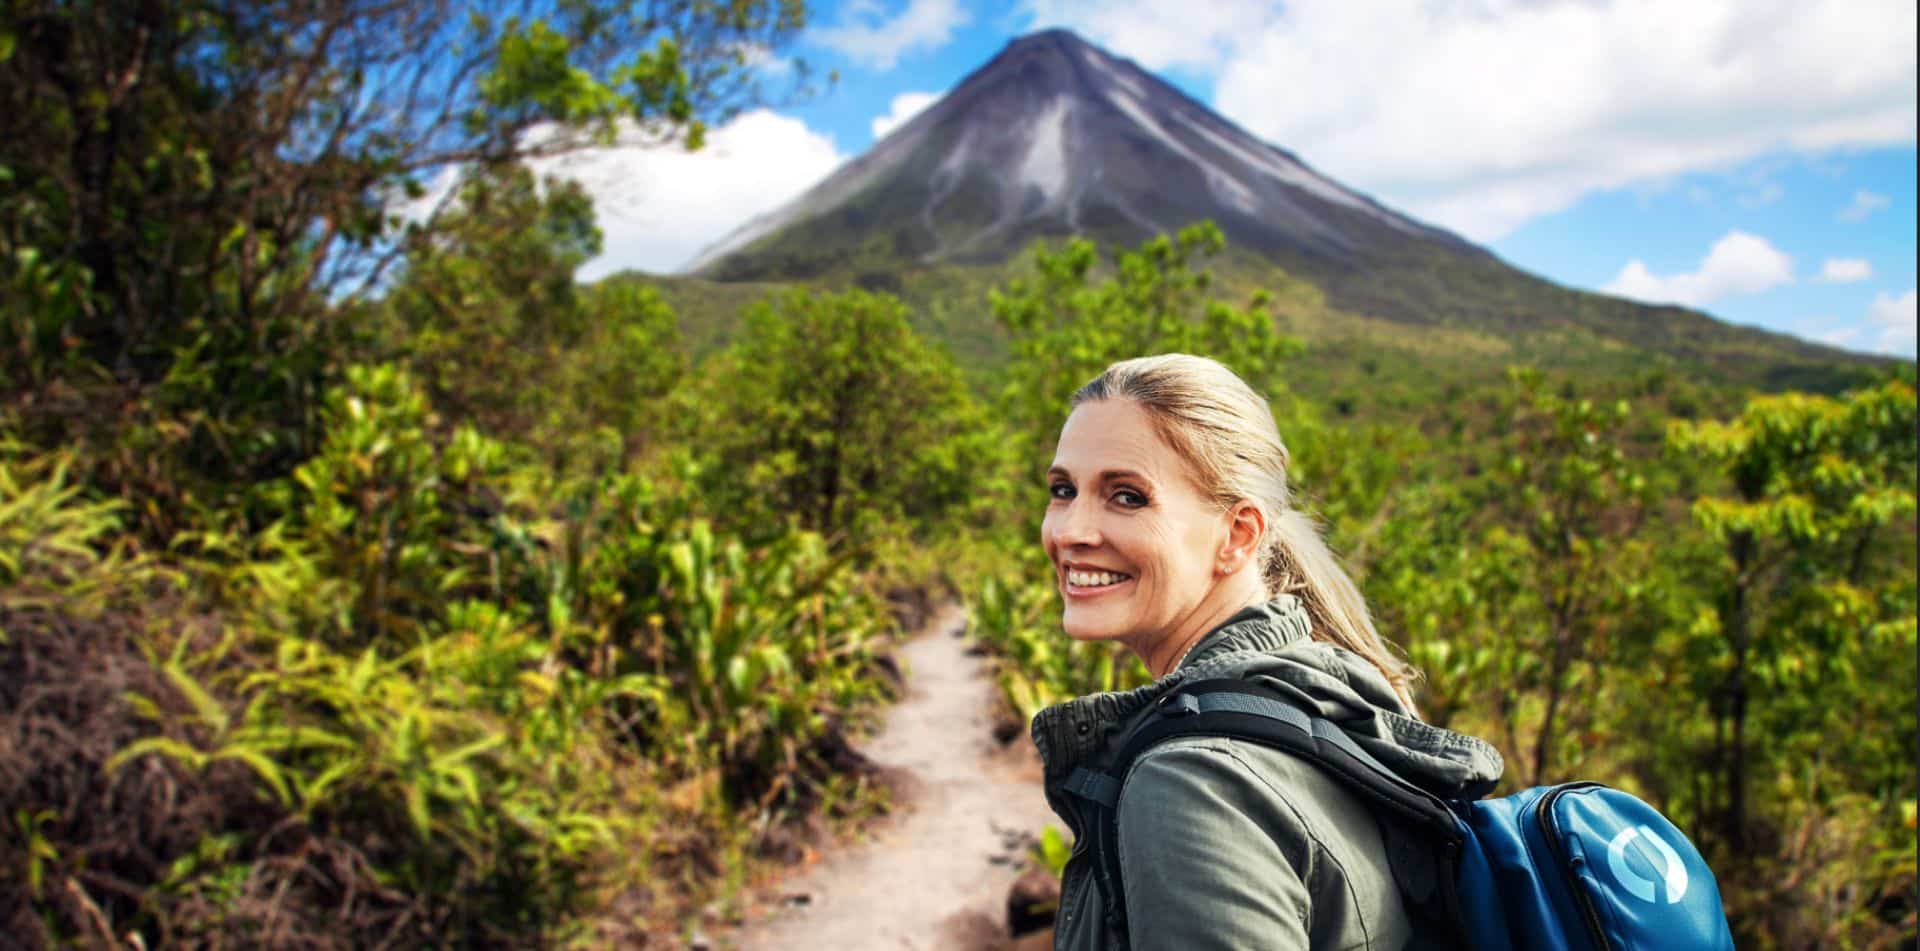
(1225, 432)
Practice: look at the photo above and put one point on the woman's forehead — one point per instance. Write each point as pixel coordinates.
(1114, 434)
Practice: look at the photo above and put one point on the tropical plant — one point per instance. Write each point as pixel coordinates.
(766, 648)
(830, 412)
(59, 548)
(192, 191)
(1808, 629)
(1818, 487)
(465, 770)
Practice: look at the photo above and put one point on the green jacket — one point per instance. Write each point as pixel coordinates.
(1228, 844)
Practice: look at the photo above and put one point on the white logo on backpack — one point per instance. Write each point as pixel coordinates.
(1667, 861)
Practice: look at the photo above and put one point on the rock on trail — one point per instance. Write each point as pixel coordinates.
(934, 874)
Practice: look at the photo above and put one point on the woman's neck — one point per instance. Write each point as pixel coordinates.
(1232, 595)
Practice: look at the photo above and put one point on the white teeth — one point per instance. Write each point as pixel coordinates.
(1093, 579)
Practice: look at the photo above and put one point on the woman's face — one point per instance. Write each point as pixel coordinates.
(1134, 544)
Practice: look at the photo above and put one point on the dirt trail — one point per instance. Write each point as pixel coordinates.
(936, 872)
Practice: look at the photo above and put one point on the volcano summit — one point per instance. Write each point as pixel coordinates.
(1053, 137)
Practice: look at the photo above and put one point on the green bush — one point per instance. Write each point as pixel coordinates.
(475, 700)
(832, 414)
(766, 647)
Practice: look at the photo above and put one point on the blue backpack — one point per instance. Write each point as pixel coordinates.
(1577, 866)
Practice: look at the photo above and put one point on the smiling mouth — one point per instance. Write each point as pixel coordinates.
(1091, 582)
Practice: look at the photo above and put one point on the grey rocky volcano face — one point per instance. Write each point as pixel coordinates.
(1055, 136)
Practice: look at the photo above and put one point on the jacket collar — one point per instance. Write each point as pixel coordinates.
(1269, 626)
(1273, 642)
(1070, 734)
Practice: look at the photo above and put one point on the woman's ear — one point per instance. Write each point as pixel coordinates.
(1246, 525)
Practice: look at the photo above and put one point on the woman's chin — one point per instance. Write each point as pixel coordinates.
(1089, 624)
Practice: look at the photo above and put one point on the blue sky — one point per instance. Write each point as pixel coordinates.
(1751, 158)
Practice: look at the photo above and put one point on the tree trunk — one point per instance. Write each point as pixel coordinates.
(1544, 741)
(1737, 625)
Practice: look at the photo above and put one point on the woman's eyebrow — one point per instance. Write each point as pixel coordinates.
(1108, 475)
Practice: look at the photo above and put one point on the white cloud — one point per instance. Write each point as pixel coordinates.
(905, 106)
(1845, 270)
(1483, 115)
(1894, 318)
(660, 205)
(870, 38)
(1739, 263)
(1864, 203)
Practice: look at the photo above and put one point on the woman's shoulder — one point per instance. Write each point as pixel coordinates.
(1297, 804)
(1208, 816)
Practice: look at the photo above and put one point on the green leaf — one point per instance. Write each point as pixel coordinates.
(468, 751)
(160, 746)
(313, 793)
(263, 767)
(416, 798)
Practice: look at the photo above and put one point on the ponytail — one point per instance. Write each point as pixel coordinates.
(1299, 563)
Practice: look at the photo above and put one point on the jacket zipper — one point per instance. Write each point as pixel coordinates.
(1076, 861)
(1549, 830)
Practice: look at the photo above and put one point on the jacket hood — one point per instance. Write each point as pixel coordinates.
(1272, 642)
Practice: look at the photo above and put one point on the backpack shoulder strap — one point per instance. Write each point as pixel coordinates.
(1245, 710)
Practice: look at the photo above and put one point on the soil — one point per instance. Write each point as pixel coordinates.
(935, 872)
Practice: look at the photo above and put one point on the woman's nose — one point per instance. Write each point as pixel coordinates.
(1075, 525)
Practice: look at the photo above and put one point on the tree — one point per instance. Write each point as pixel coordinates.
(487, 301)
(1571, 504)
(191, 188)
(1427, 588)
(632, 360)
(487, 313)
(1814, 589)
(831, 411)
(1522, 593)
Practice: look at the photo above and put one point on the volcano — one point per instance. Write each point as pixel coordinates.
(1053, 137)
(1056, 137)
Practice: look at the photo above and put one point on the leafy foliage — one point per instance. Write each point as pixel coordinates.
(1572, 609)
(1807, 627)
(59, 548)
(831, 412)
(191, 188)
(488, 303)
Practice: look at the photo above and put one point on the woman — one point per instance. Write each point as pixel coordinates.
(1170, 531)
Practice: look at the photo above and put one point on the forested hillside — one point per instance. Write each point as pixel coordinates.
(365, 580)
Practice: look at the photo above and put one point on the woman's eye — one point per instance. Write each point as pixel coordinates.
(1130, 498)
(1060, 490)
